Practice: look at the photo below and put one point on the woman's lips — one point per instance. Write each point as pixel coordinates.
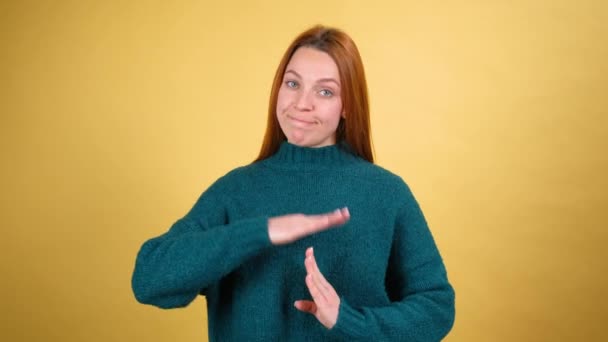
(305, 122)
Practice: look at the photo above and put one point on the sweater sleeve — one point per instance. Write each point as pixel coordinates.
(422, 299)
(197, 251)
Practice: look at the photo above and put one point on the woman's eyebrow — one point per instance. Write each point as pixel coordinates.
(328, 79)
(293, 72)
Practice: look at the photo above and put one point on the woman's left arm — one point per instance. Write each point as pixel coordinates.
(422, 299)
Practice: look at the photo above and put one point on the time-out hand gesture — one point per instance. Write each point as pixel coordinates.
(289, 228)
(325, 304)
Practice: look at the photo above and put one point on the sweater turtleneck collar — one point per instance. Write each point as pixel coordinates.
(290, 155)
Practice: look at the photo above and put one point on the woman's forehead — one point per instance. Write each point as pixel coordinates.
(311, 63)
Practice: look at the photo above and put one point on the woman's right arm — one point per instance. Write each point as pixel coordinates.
(198, 250)
(201, 248)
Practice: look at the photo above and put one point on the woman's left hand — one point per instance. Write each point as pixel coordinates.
(326, 302)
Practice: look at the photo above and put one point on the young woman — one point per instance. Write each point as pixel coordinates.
(312, 241)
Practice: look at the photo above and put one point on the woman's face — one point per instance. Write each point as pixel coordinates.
(309, 105)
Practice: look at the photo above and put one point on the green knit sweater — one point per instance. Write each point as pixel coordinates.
(383, 263)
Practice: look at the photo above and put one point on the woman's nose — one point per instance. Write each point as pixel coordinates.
(304, 101)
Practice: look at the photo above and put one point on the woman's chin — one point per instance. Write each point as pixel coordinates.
(305, 140)
(299, 143)
(299, 140)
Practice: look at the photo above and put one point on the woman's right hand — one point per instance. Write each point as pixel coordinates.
(289, 228)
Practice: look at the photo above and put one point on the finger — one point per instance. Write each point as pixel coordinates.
(345, 212)
(320, 275)
(321, 286)
(315, 293)
(338, 216)
(327, 220)
(319, 278)
(306, 306)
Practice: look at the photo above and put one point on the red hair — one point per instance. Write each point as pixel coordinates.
(355, 128)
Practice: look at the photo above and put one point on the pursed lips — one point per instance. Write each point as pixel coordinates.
(306, 122)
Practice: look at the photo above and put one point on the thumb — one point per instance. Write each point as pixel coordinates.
(306, 306)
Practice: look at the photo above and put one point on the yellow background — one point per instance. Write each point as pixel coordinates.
(116, 115)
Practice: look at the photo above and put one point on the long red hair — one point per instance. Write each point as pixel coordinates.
(355, 128)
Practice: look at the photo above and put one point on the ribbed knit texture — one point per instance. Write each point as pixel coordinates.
(383, 263)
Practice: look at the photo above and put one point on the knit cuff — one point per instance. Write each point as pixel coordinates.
(351, 323)
(255, 232)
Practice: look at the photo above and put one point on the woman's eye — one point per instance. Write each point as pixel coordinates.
(292, 84)
(326, 93)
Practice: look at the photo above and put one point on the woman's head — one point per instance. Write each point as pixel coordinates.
(319, 95)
